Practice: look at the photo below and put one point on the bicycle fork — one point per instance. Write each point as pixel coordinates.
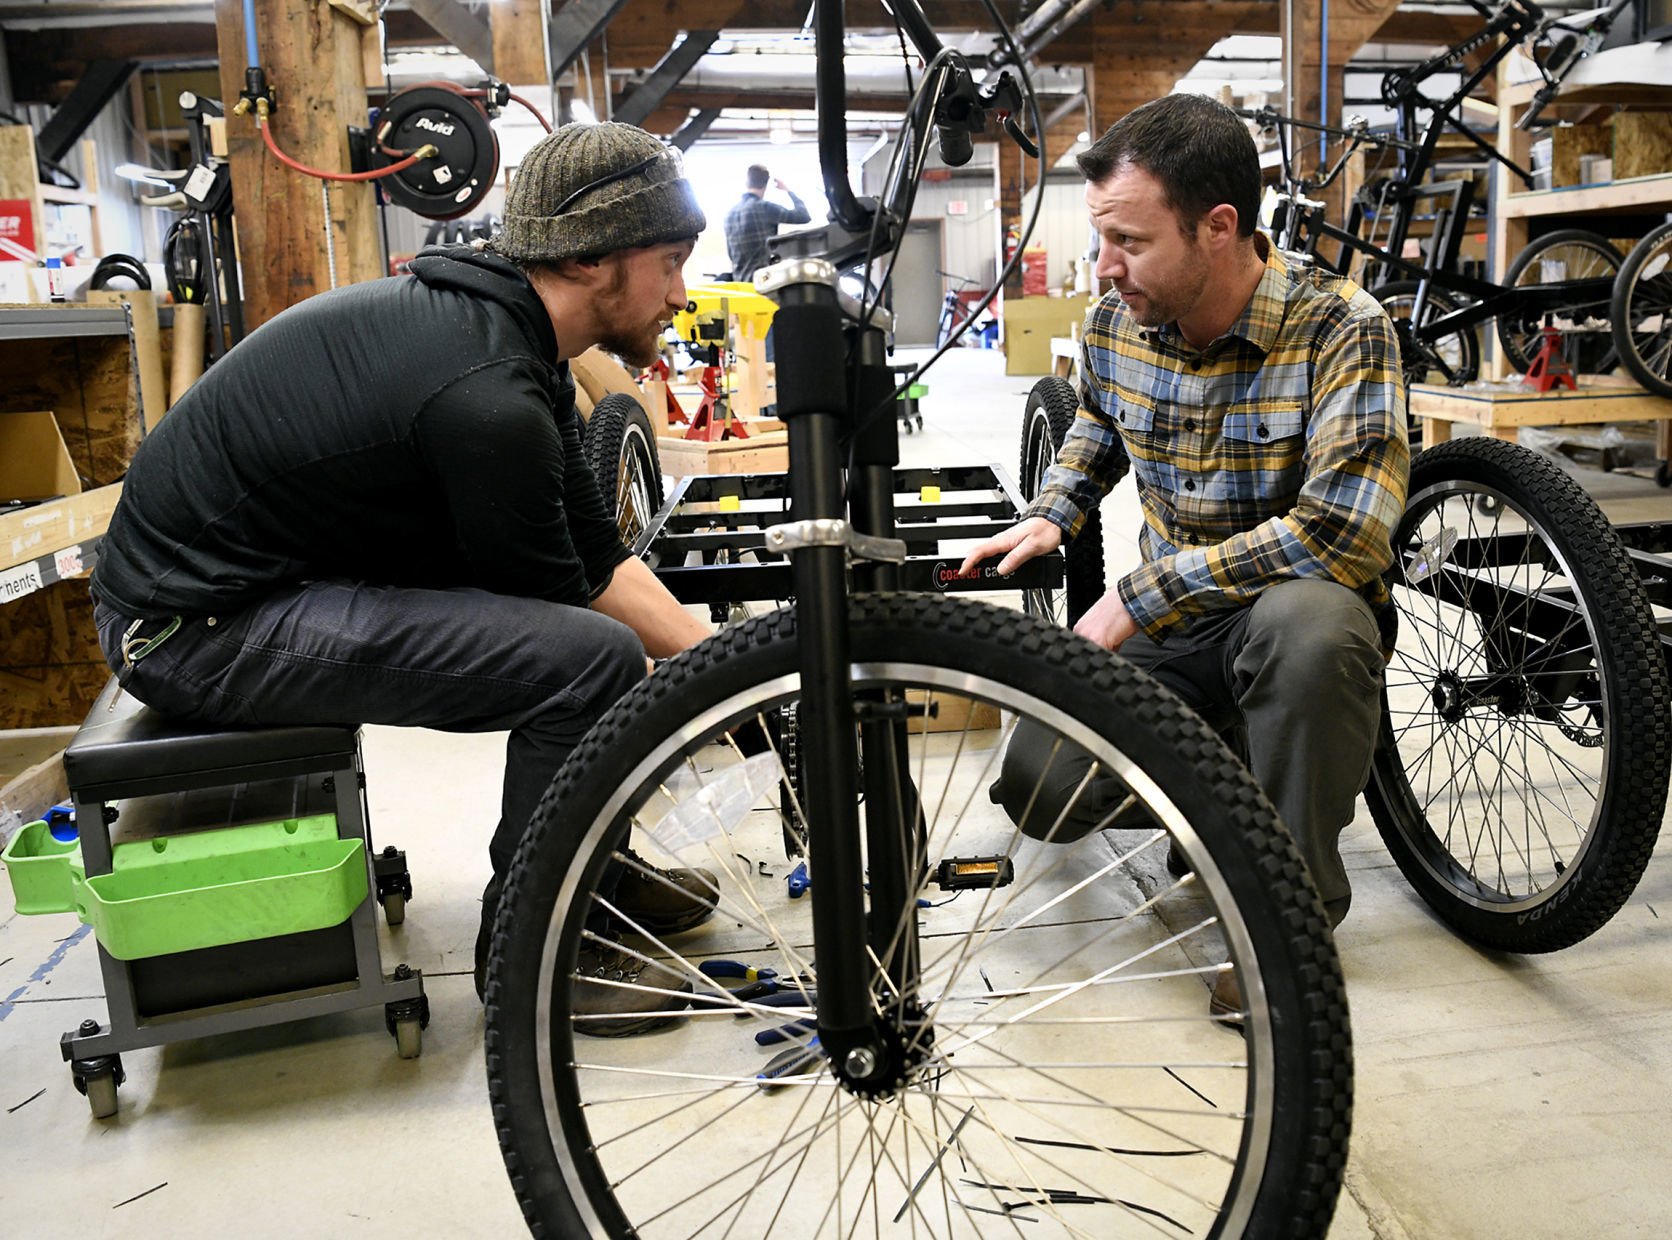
(867, 1005)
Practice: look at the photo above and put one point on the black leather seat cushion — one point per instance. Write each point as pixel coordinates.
(126, 749)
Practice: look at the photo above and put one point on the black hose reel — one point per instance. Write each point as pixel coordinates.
(453, 120)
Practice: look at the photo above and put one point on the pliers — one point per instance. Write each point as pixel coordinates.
(792, 1062)
(758, 983)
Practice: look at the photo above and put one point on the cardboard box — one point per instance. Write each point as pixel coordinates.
(34, 463)
(1568, 143)
(1642, 144)
(1029, 324)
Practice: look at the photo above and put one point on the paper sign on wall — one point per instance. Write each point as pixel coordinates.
(17, 231)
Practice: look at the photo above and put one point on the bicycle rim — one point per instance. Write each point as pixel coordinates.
(1074, 1079)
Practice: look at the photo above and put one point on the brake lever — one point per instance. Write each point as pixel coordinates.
(1021, 139)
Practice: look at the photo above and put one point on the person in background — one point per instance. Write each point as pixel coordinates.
(753, 222)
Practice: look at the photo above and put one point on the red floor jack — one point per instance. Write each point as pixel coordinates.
(1550, 367)
(713, 421)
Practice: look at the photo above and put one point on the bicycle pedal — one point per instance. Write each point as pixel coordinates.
(964, 873)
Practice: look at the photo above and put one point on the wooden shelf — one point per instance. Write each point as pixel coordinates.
(54, 541)
(1636, 194)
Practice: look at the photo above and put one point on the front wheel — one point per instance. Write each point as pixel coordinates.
(1059, 1052)
(1522, 771)
(1452, 358)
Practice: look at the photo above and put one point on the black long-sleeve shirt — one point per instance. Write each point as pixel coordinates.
(414, 431)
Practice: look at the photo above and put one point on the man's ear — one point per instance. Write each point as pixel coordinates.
(580, 270)
(1220, 224)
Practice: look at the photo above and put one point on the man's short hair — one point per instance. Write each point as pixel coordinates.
(1199, 149)
(757, 176)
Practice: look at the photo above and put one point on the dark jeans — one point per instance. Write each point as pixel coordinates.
(462, 660)
(1299, 673)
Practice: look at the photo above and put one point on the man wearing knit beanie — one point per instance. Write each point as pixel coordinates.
(376, 509)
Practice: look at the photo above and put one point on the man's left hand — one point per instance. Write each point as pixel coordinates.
(1107, 622)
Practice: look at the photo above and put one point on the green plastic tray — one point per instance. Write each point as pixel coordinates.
(39, 867)
(230, 885)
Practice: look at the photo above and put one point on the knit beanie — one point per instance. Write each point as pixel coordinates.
(588, 190)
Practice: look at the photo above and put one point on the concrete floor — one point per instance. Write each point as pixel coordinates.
(1496, 1096)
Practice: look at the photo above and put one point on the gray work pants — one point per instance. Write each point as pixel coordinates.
(460, 660)
(1299, 673)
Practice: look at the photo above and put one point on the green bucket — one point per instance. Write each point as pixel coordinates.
(39, 868)
(229, 885)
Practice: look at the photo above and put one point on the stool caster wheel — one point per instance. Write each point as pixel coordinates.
(394, 883)
(98, 1079)
(1663, 474)
(406, 1020)
(1487, 505)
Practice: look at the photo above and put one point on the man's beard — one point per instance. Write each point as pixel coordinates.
(636, 347)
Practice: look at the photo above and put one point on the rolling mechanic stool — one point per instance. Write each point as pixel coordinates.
(254, 925)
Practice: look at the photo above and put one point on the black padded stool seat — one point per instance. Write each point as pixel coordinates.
(125, 749)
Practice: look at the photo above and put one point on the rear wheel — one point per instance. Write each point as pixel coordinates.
(1522, 771)
(1642, 312)
(1559, 258)
(621, 449)
(1051, 408)
(1063, 1037)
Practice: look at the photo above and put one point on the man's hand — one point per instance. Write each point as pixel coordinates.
(779, 182)
(1107, 622)
(1020, 543)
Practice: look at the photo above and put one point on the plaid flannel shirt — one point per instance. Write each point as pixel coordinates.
(1277, 452)
(750, 225)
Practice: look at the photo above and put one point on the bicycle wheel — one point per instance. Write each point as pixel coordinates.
(1557, 258)
(1522, 771)
(1642, 311)
(1070, 1046)
(1451, 359)
(1052, 404)
(621, 449)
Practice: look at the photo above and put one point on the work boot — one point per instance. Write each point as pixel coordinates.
(608, 1011)
(664, 901)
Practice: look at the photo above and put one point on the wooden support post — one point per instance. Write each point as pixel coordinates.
(313, 57)
(521, 52)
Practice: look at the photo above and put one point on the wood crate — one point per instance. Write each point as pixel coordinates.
(765, 453)
(952, 714)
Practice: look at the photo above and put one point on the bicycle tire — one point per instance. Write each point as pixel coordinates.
(572, 1146)
(1051, 409)
(1568, 254)
(620, 447)
(1641, 313)
(1529, 685)
(1452, 359)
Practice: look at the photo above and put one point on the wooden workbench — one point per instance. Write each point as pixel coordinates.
(1501, 410)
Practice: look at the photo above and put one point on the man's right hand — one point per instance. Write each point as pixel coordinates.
(1020, 543)
(779, 182)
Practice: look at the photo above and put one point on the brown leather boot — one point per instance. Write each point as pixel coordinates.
(607, 1000)
(664, 901)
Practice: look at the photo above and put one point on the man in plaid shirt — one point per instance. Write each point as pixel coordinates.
(1261, 410)
(752, 223)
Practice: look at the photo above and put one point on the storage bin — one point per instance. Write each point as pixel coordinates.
(39, 869)
(229, 885)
